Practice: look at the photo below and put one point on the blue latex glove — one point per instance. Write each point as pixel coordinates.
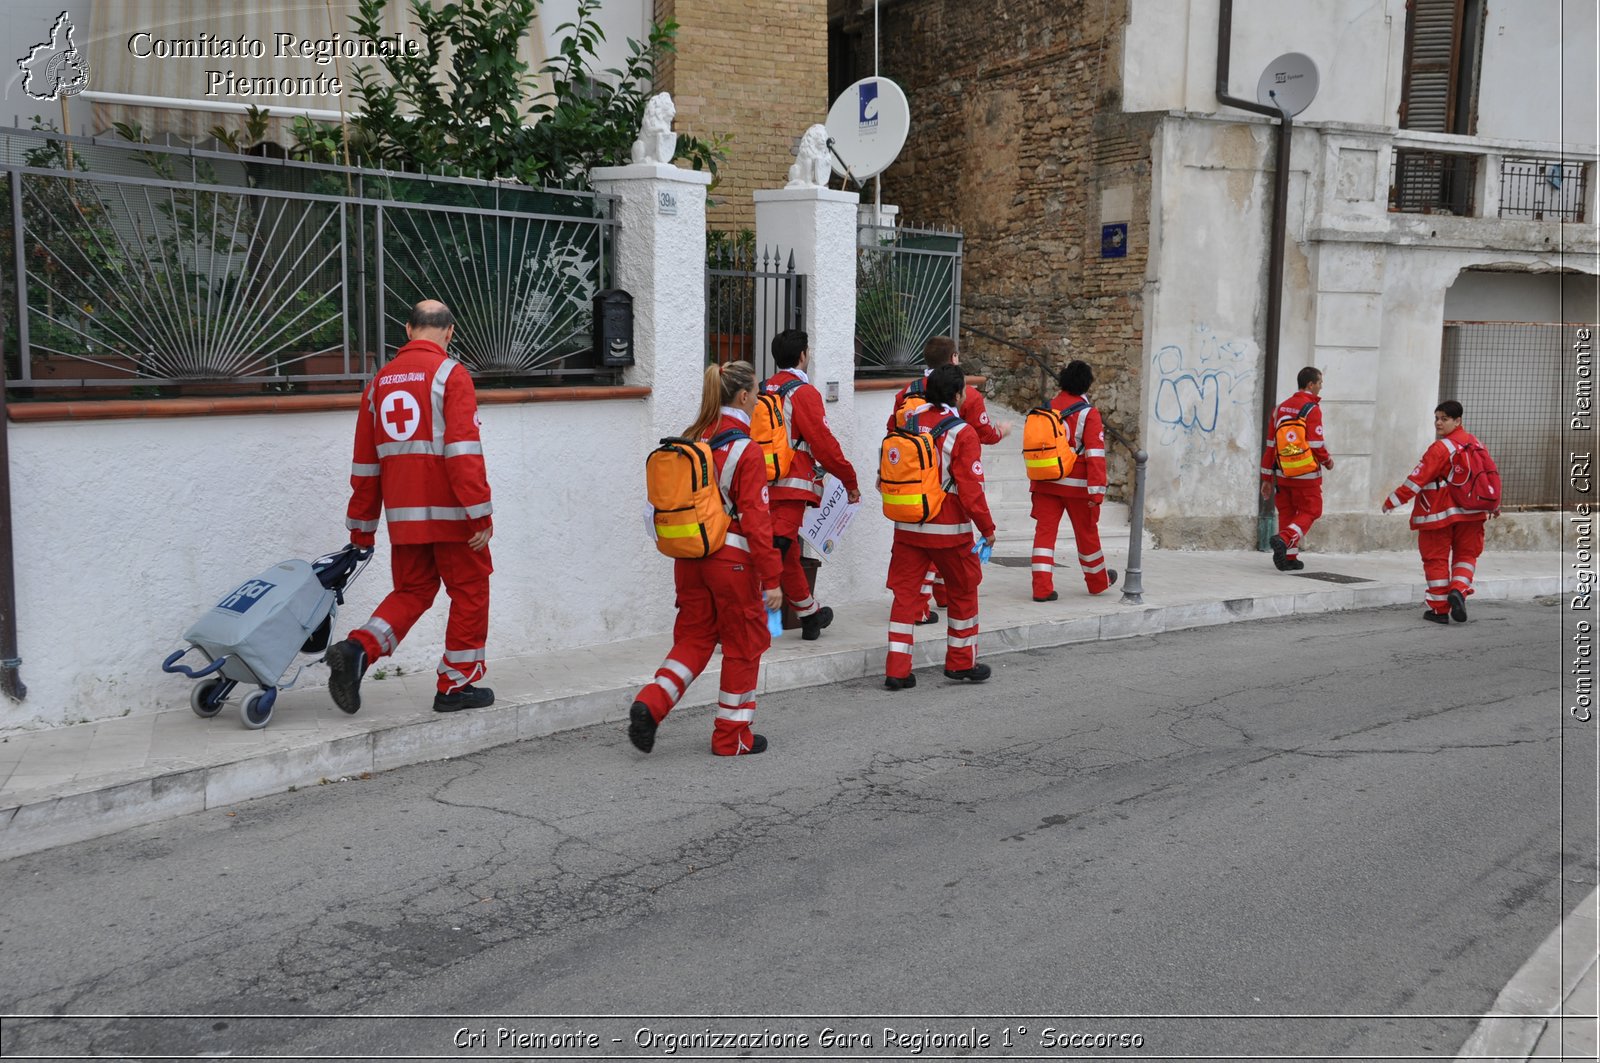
(983, 550)
(775, 622)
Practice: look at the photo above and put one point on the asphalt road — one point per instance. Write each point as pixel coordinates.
(1301, 837)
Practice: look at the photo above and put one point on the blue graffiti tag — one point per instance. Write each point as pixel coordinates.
(1190, 398)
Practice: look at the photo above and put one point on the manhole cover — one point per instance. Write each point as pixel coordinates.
(1333, 577)
(1015, 562)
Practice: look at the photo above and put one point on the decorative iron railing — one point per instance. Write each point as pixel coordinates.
(750, 298)
(1433, 182)
(145, 266)
(908, 289)
(1542, 189)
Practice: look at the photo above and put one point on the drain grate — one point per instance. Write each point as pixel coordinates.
(1016, 562)
(1333, 577)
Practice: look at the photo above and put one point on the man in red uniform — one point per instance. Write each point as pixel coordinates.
(816, 451)
(1449, 538)
(942, 350)
(722, 598)
(1079, 493)
(942, 544)
(418, 456)
(1298, 498)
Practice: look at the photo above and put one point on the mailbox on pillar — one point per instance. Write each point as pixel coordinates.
(613, 328)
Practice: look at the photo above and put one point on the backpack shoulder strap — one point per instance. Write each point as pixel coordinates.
(789, 387)
(946, 425)
(1306, 409)
(917, 387)
(722, 439)
(1081, 404)
(739, 441)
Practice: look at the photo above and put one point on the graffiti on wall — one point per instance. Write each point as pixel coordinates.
(1198, 388)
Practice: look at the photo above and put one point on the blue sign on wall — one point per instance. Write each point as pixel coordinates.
(1114, 240)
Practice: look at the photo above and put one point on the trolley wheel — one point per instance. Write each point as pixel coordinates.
(203, 699)
(256, 709)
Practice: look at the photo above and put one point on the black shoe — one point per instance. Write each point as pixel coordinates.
(811, 626)
(1111, 578)
(895, 683)
(1435, 618)
(641, 727)
(1294, 564)
(758, 744)
(976, 674)
(468, 697)
(1280, 552)
(1458, 607)
(1052, 596)
(931, 618)
(347, 663)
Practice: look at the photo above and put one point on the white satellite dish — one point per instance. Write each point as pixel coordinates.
(867, 127)
(1289, 83)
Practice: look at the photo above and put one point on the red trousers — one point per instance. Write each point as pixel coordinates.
(418, 569)
(1449, 560)
(718, 601)
(962, 573)
(1047, 510)
(787, 516)
(1298, 505)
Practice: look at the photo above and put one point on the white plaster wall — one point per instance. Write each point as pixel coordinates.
(1481, 295)
(126, 531)
(1539, 75)
(1364, 299)
(1170, 54)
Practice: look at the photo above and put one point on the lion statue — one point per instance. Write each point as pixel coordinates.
(657, 142)
(812, 165)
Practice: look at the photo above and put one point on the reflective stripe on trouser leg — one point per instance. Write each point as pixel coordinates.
(741, 626)
(465, 573)
(1086, 532)
(1046, 513)
(1434, 546)
(962, 574)
(415, 572)
(694, 638)
(908, 566)
(786, 518)
(1466, 544)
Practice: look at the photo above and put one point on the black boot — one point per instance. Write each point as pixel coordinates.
(976, 674)
(641, 727)
(468, 697)
(811, 626)
(347, 663)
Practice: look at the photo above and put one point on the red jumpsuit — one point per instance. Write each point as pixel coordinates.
(976, 414)
(816, 451)
(1449, 539)
(1298, 499)
(418, 457)
(943, 545)
(719, 600)
(1080, 495)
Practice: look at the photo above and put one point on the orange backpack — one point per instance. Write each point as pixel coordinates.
(1294, 449)
(769, 426)
(693, 509)
(1047, 448)
(916, 398)
(909, 477)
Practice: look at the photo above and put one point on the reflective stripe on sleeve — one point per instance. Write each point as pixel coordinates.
(456, 450)
(358, 469)
(361, 525)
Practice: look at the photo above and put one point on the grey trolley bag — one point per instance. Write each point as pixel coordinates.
(254, 633)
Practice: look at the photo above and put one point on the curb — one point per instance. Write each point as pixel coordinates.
(113, 803)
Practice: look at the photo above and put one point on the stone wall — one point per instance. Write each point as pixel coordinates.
(757, 71)
(1017, 137)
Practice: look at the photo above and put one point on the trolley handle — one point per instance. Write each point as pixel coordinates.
(171, 665)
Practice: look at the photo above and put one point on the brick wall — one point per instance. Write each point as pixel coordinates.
(756, 70)
(1017, 138)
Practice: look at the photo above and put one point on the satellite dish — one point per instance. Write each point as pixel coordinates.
(867, 127)
(1289, 83)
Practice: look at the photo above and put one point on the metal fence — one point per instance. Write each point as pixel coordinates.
(1433, 182)
(1510, 378)
(908, 288)
(1542, 189)
(140, 266)
(750, 298)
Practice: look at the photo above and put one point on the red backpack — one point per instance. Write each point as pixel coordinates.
(1473, 480)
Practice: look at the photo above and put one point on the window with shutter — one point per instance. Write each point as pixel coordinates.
(1439, 92)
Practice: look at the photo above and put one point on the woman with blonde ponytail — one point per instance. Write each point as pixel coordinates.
(722, 598)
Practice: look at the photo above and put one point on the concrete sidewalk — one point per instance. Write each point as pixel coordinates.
(74, 783)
